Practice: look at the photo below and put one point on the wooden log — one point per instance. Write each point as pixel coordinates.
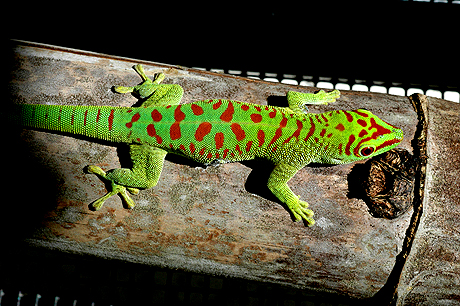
(220, 220)
(431, 275)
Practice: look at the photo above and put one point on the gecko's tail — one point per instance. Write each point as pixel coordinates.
(91, 121)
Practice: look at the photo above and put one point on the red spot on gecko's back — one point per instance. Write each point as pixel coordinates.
(261, 137)
(219, 140)
(197, 110)
(244, 107)
(153, 133)
(279, 131)
(238, 131)
(216, 105)
(136, 117)
(256, 118)
(110, 119)
(72, 119)
(362, 133)
(156, 116)
(312, 129)
(317, 118)
(323, 132)
(248, 146)
(237, 148)
(361, 113)
(227, 115)
(203, 129)
(178, 114)
(349, 116)
(174, 130)
(133, 119)
(296, 133)
(340, 127)
(192, 148)
(361, 122)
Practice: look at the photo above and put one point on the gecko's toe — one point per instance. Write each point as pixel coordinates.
(122, 89)
(96, 205)
(309, 222)
(133, 190)
(95, 170)
(123, 191)
(303, 207)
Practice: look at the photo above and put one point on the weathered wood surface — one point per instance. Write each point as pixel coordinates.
(432, 271)
(219, 220)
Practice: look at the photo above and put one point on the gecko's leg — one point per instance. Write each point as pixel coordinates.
(277, 183)
(147, 165)
(297, 100)
(152, 92)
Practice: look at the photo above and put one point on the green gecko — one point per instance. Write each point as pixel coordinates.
(217, 131)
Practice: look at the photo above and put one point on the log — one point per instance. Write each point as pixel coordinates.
(222, 220)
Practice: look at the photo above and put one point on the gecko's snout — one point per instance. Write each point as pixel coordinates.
(398, 134)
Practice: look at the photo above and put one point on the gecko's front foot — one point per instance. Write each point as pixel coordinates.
(298, 101)
(300, 211)
(116, 189)
(327, 97)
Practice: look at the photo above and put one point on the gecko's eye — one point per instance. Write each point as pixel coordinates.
(366, 151)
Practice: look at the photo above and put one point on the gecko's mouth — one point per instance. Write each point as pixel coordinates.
(336, 161)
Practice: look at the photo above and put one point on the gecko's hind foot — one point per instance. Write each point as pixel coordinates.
(115, 189)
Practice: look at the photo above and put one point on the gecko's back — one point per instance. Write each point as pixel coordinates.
(221, 130)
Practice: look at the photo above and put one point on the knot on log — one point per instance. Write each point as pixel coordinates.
(385, 183)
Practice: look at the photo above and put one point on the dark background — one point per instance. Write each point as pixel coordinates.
(393, 41)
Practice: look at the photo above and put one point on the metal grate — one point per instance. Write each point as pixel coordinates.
(72, 280)
(434, 1)
(400, 89)
(20, 298)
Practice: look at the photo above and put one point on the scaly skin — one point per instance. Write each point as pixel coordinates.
(218, 131)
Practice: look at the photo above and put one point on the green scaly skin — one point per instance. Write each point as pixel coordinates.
(218, 131)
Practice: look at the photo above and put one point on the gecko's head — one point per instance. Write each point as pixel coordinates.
(359, 135)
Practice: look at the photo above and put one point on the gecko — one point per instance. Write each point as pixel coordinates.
(217, 131)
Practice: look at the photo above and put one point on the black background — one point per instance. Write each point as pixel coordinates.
(396, 41)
